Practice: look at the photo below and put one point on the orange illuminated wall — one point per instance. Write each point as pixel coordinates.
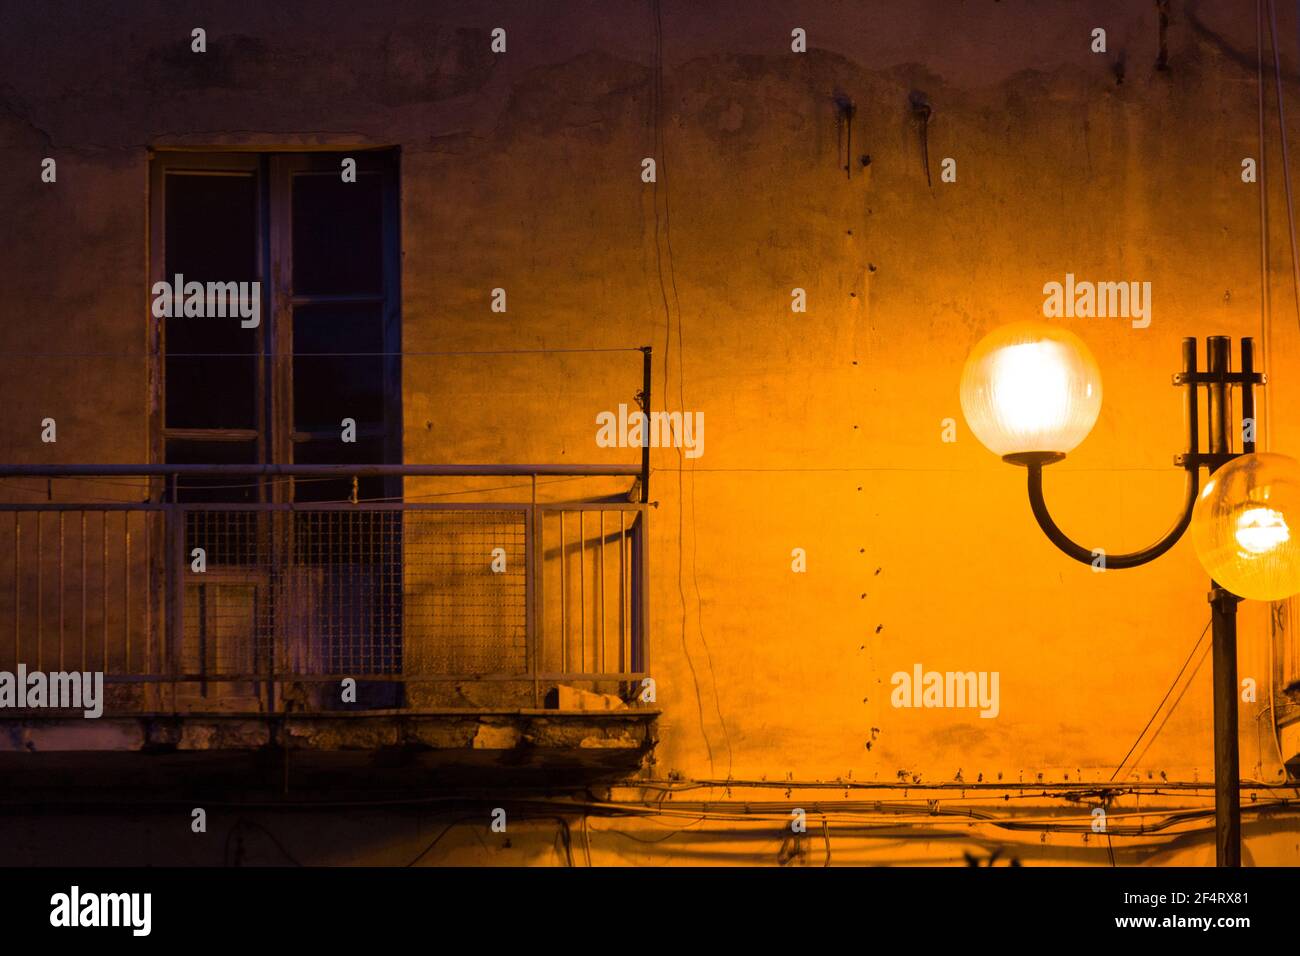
(827, 235)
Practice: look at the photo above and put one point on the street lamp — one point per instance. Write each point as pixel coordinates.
(1244, 526)
(1031, 392)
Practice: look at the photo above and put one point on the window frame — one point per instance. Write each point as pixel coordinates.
(215, 164)
(273, 171)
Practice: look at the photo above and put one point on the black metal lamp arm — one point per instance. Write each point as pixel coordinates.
(1218, 380)
(1131, 559)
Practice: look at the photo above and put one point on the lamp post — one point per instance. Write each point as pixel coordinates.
(1031, 392)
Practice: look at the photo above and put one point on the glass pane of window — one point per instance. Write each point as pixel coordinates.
(211, 226)
(208, 488)
(364, 451)
(211, 236)
(337, 234)
(330, 381)
(210, 392)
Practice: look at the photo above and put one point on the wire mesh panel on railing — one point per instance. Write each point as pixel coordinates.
(301, 592)
(356, 591)
(466, 591)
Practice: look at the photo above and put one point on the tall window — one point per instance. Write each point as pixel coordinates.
(272, 378)
(324, 251)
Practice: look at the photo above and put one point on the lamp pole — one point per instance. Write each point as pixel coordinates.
(1227, 763)
(1218, 380)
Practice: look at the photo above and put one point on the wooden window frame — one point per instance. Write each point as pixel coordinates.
(273, 171)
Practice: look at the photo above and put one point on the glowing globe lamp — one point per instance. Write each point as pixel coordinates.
(1031, 390)
(1246, 526)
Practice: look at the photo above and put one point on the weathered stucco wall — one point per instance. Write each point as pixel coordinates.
(823, 430)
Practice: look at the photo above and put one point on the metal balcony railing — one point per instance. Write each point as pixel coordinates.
(269, 605)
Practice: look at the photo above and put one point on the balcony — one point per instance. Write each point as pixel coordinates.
(449, 636)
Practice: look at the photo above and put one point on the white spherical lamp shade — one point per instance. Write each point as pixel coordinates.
(1246, 526)
(1031, 388)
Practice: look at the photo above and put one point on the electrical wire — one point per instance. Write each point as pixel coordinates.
(1137, 823)
(239, 825)
(1295, 285)
(1156, 712)
(1004, 790)
(436, 840)
(1265, 307)
(663, 839)
(1272, 680)
(660, 152)
(1196, 670)
(681, 399)
(565, 833)
(870, 819)
(894, 818)
(695, 536)
(1286, 158)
